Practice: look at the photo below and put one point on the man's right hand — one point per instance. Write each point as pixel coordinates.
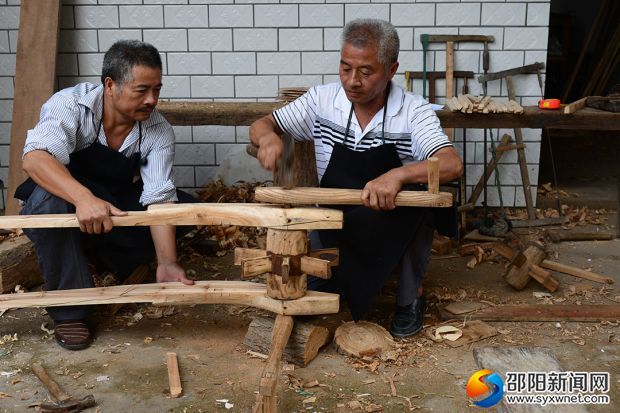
(270, 148)
(94, 213)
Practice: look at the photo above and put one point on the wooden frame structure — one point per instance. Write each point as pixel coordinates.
(286, 261)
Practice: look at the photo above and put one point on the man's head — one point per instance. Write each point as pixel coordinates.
(368, 59)
(131, 76)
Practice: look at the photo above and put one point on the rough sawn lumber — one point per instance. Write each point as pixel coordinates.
(253, 215)
(203, 292)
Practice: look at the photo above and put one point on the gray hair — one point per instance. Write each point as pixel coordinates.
(374, 32)
(123, 55)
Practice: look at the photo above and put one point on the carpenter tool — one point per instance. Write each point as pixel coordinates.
(432, 78)
(64, 403)
(507, 74)
(425, 39)
(284, 175)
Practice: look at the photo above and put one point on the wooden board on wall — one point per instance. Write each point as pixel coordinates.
(35, 76)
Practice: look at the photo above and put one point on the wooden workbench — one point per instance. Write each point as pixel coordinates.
(244, 113)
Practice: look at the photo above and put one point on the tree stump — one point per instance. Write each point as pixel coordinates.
(362, 338)
(303, 346)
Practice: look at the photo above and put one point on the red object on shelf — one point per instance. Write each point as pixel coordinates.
(549, 103)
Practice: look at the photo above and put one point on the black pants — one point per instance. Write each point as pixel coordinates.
(64, 253)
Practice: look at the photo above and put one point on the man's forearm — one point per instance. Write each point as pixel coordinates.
(450, 168)
(262, 127)
(164, 239)
(54, 177)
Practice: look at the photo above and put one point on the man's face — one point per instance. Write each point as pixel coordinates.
(362, 76)
(136, 98)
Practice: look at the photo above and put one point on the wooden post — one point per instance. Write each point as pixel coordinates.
(285, 281)
(266, 401)
(35, 78)
(433, 175)
(525, 177)
(450, 80)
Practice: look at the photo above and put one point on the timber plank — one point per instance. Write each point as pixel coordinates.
(253, 215)
(541, 312)
(203, 292)
(35, 77)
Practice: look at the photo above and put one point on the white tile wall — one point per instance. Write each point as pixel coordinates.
(245, 50)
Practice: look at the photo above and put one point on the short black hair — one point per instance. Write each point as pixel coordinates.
(123, 55)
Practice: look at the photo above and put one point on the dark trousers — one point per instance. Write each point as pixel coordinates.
(412, 267)
(64, 253)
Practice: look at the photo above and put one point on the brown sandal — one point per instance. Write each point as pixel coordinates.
(72, 334)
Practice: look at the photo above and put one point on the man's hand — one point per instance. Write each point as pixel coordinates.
(380, 193)
(270, 148)
(172, 272)
(94, 213)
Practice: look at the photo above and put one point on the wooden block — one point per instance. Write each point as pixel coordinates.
(244, 253)
(317, 267)
(362, 338)
(173, 375)
(251, 267)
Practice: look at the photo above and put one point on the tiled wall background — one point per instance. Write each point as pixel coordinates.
(246, 50)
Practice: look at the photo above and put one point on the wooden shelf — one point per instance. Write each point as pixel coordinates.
(244, 113)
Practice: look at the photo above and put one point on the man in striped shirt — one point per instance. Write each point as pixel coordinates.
(98, 151)
(369, 134)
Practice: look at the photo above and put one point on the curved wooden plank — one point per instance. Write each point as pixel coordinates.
(336, 196)
(251, 215)
(203, 292)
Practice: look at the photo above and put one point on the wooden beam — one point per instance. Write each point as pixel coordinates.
(251, 267)
(203, 292)
(215, 113)
(252, 215)
(336, 196)
(35, 78)
(243, 113)
(541, 312)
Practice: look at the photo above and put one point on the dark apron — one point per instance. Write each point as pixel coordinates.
(115, 178)
(371, 243)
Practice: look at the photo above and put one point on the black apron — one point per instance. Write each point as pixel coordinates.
(115, 178)
(371, 243)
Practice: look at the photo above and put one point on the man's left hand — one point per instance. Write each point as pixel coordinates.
(380, 193)
(172, 272)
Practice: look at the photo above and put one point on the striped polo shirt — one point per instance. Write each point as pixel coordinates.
(68, 123)
(321, 114)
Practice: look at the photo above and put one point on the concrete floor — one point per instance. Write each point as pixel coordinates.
(125, 368)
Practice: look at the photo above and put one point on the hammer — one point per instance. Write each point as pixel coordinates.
(64, 403)
(284, 175)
